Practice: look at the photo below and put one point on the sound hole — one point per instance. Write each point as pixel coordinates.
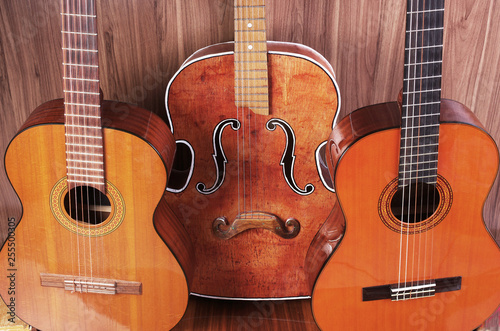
(415, 203)
(87, 204)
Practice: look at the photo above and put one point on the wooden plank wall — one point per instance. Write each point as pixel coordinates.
(143, 43)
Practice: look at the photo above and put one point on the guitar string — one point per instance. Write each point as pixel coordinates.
(79, 74)
(440, 5)
(416, 112)
(91, 45)
(67, 86)
(73, 183)
(99, 247)
(419, 193)
(405, 149)
(424, 55)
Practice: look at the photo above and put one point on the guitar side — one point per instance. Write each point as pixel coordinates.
(368, 254)
(127, 248)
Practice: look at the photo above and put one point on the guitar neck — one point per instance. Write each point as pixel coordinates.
(82, 110)
(421, 92)
(250, 56)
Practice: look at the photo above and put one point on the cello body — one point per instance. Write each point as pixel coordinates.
(245, 164)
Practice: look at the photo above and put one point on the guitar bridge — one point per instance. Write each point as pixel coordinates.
(412, 290)
(90, 284)
(84, 286)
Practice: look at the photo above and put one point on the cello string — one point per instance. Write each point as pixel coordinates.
(238, 92)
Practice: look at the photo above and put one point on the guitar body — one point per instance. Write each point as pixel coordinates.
(130, 246)
(250, 174)
(364, 157)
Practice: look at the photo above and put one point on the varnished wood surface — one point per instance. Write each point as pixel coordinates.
(458, 246)
(143, 43)
(130, 252)
(256, 263)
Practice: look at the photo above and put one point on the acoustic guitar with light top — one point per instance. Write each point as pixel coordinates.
(250, 118)
(90, 251)
(411, 179)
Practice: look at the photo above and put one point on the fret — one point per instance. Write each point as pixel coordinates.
(423, 104)
(426, 29)
(421, 163)
(84, 153)
(75, 174)
(253, 70)
(246, 87)
(423, 91)
(422, 177)
(81, 92)
(250, 78)
(423, 136)
(252, 101)
(81, 65)
(251, 61)
(82, 136)
(250, 93)
(254, 41)
(82, 79)
(79, 174)
(78, 15)
(420, 155)
(255, 6)
(419, 116)
(417, 176)
(420, 126)
(420, 146)
(250, 19)
(81, 104)
(80, 33)
(256, 31)
(84, 161)
(422, 47)
(426, 11)
(88, 169)
(83, 116)
(80, 49)
(253, 107)
(83, 145)
(252, 52)
(83, 181)
(428, 77)
(423, 63)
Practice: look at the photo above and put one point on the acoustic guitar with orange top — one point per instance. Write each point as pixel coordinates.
(411, 179)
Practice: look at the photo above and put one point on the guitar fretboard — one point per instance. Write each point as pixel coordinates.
(84, 147)
(250, 56)
(421, 92)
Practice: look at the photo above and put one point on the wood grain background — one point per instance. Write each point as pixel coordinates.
(143, 43)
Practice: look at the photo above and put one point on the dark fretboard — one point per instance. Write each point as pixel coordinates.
(84, 146)
(250, 56)
(421, 92)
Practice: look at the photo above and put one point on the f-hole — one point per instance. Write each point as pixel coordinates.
(421, 200)
(87, 204)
